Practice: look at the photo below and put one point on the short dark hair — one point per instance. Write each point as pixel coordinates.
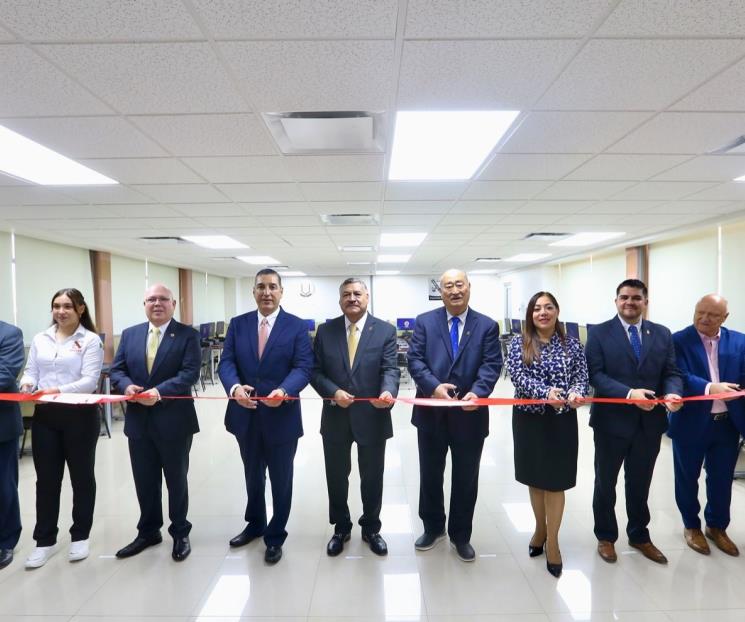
(350, 281)
(269, 271)
(78, 301)
(633, 283)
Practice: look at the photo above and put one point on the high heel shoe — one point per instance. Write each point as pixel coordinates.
(535, 551)
(554, 569)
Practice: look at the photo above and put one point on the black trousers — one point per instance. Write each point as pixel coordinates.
(465, 457)
(10, 511)
(257, 456)
(154, 458)
(638, 455)
(63, 434)
(371, 463)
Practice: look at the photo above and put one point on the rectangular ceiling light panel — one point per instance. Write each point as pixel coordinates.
(259, 260)
(445, 145)
(523, 257)
(214, 241)
(588, 238)
(401, 240)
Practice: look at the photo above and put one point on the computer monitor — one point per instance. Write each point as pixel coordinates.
(405, 323)
(516, 327)
(311, 325)
(204, 331)
(572, 329)
(220, 329)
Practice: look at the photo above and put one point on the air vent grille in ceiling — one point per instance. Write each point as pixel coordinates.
(548, 236)
(350, 219)
(162, 239)
(736, 146)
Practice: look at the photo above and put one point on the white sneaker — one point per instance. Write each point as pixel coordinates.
(78, 550)
(40, 556)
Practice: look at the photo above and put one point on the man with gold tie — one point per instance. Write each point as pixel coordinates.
(159, 359)
(355, 356)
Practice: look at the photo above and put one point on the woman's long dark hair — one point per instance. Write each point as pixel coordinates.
(78, 301)
(531, 340)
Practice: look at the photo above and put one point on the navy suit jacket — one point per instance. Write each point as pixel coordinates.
(375, 370)
(614, 371)
(475, 369)
(12, 356)
(175, 371)
(287, 362)
(692, 422)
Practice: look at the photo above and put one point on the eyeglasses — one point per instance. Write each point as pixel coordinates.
(153, 299)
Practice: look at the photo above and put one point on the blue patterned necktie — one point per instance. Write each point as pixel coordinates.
(636, 344)
(454, 335)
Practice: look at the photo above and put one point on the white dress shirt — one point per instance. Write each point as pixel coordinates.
(626, 328)
(359, 325)
(163, 330)
(72, 365)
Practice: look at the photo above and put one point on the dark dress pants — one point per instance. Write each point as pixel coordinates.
(63, 434)
(638, 455)
(371, 463)
(154, 458)
(465, 457)
(258, 456)
(10, 511)
(717, 452)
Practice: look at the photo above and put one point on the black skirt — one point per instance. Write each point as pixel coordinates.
(545, 447)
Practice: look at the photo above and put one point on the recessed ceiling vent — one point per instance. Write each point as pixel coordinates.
(736, 146)
(349, 219)
(544, 236)
(163, 240)
(334, 132)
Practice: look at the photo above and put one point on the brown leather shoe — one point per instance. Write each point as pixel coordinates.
(695, 539)
(607, 551)
(650, 551)
(720, 538)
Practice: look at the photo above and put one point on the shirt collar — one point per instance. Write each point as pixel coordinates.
(715, 338)
(360, 324)
(52, 331)
(626, 324)
(271, 318)
(162, 328)
(461, 317)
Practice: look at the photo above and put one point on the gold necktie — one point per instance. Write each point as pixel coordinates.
(352, 343)
(152, 348)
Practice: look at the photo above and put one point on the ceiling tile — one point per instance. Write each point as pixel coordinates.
(33, 86)
(685, 18)
(724, 92)
(182, 193)
(143, 211)
(419, 222)
(590, 219)
(661, 190)
(4, 34)
(531, 166)
(432, 19)
(354, 207)
(637, 74)
(32, 195)
(571, 132)
(360, 191)
(250, 169)
(625, 167)
(472, 219)
(105, 194)
(208, 209)
(144, 170)
(417, 207)
(99, 20)
(270, 220)
(692, 207)
(487, 207)
(554, 207)
(297, 208)
(45, 212)
(87, 137)
(584, 190)
(732, 191)
(335, 168)
(151, 78)
(683, 132)
(209, 135)
(296, 19)
(707, 168)
(449, 75)
(621, 207)
(7, 180)
(510, 190)
(262, 192)
(313, 75)
(423, 190)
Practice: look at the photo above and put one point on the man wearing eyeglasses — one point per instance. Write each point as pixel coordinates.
(159, 359)
(266, 353)
(454, 354)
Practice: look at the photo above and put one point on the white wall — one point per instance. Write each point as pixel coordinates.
(733, 262)
(127, 292)
(6, 300)
(524, 284)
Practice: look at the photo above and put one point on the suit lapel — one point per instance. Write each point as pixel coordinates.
(140, 342)
(253, 333)
(364, 340)
(338, 330)
(279, 323)
(466, 335)
(698, 347)
(622, 339)
(649, 336)
(721, 350)
(442, 324)
(166, 342)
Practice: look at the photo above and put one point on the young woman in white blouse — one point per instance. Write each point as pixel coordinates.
(65, 358)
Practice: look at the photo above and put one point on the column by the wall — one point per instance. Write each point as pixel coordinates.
(185, 296)
(637, 262)
(101, 273)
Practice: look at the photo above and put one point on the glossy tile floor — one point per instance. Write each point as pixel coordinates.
(504, 584)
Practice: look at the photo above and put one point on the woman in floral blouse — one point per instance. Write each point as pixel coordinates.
(544, 363)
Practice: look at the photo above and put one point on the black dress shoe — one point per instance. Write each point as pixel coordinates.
(244, 537)
(428, 540)
(336, 544)
(464, 550)
(535, 551)
(554, 569)
(139, 544)
(273, 554)
(376, 542)
(6, 556)
(181, 549)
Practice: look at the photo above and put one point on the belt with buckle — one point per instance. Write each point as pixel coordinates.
(719, 416)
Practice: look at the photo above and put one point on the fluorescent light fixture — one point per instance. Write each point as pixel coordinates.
(357, 249)
(445, 145)
(359, 263)
(482, 272)
(588, 238)
(393, 258)
(487, 259)
(742, 178)
(23, 158)
(258, 260)
(213, 241)
(401, 240)
(527, 257)
(292, 273)
(387, 272)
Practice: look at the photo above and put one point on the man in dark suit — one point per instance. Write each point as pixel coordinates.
(454, 353)
(159, 359)
(11, 427)
(355, 356)
(629, 357)
(266, 353)
(712, 359)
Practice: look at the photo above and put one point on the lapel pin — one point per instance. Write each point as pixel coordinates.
(173, 334)
(468, 333)
(647, 331)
